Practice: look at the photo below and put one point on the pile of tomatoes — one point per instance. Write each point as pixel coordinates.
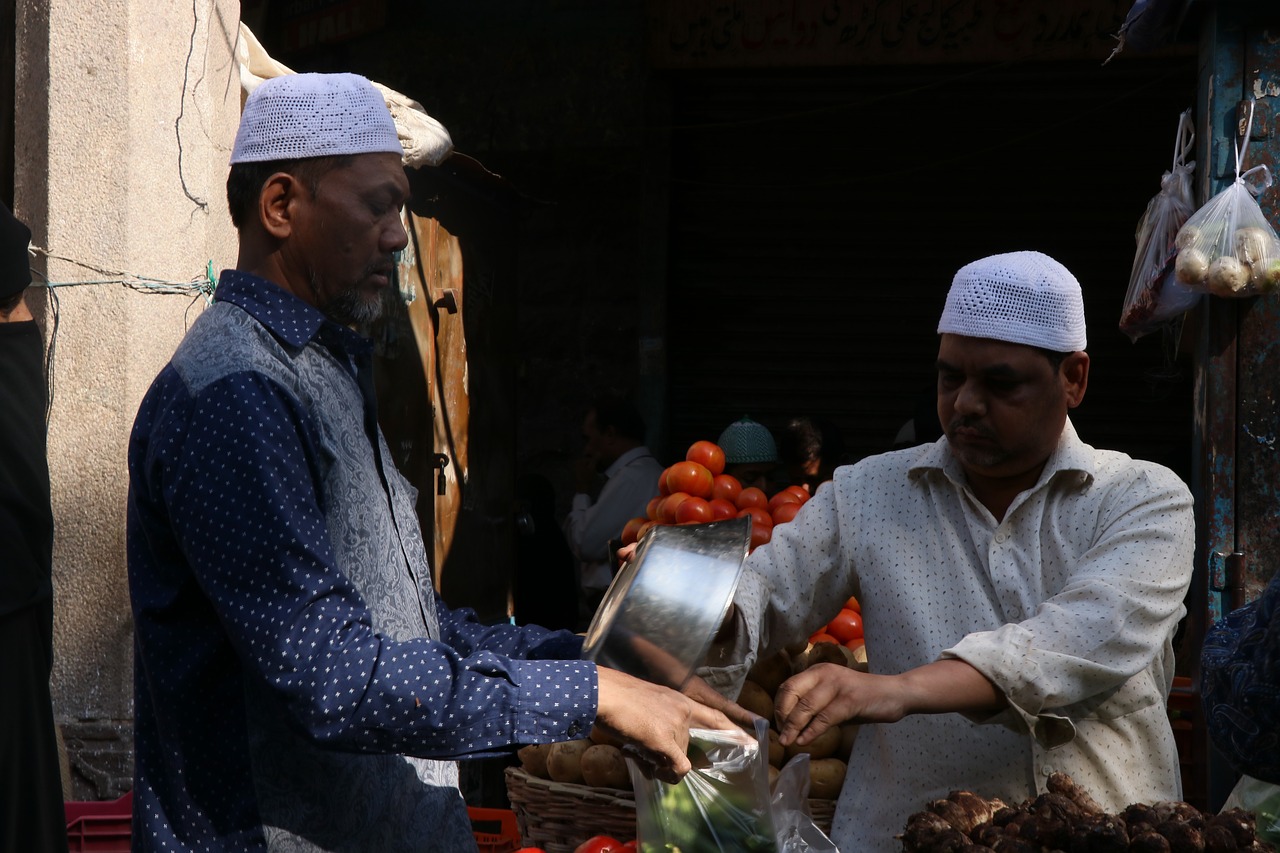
(696, 491)
(845, 628)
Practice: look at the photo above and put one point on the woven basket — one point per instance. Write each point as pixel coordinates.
(558, 816)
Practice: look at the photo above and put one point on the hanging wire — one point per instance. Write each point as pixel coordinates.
(199, 287)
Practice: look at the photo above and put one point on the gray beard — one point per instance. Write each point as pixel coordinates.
(350, 308)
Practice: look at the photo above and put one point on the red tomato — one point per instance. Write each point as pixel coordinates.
(726, 487)
(846, 626)
(799, 491)
(852, 604)
(722, 509)
(784, 513)
(854, 645)
(632, 845)
(823, 637)
(669, 506)
(760, 535)
(759, 517)
(631, 530)
(707, 454)
(752, 496)
(663, 491)
(654, 509)
(690, 477)
(694, 511)
(783, 497)
(644, 528)
(599, 844)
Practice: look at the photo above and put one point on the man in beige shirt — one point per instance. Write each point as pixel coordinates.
(1020, 589)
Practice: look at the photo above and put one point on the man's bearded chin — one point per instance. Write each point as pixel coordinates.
(351, 307)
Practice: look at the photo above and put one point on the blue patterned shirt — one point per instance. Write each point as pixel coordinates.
(298, 683)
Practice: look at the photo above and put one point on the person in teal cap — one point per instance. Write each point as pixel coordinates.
(750, 453)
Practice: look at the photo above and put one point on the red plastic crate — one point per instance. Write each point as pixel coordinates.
(496, 830)
(100, 827)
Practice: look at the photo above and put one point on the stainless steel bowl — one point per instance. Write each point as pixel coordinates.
(663, 609)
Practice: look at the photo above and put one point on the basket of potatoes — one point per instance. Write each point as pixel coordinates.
(564, 793)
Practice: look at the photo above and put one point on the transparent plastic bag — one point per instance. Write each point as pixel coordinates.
(721, 806)
(1227, 247)
(1261, 798)
(793, 824)
(1155, 296)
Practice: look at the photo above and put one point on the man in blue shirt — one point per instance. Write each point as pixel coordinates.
(298, 683)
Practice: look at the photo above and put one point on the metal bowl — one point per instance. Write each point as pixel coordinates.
(663, 609)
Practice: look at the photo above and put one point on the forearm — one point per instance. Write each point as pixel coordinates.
(948, 686)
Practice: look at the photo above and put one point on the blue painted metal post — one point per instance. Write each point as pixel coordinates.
(1238, 350)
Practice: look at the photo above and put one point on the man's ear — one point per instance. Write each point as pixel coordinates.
(1075, 377)
(276, 204)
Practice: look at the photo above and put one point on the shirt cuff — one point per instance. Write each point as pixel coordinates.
(1004, 656)
(558, 700)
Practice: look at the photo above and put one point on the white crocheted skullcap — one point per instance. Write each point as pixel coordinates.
(296, 116)
(1019, 297)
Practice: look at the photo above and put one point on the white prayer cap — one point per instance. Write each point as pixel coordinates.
(296, 116)
(1020, 297)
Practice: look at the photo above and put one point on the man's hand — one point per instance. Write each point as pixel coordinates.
(655, 720)
(829, 694)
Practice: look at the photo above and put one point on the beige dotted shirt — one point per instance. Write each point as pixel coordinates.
(1068, 605)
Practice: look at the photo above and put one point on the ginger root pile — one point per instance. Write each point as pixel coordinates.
(1067, 819)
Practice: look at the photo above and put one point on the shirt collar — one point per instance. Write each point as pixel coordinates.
(1071, 456)
(626, 459)
(286, 316)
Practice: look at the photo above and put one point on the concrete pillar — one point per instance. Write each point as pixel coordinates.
(124, 114)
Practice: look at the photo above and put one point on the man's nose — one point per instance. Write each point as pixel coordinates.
(395, 237)
(969, 400)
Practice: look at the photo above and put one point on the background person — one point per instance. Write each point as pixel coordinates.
(299, 684)
(1019, 588)
(612, 446)
(810, 450)
(31, 810)
(750, 453)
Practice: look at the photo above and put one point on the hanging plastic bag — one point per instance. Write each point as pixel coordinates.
(722, 805)
(1261, 798)
(1155, 296)
(1227, 247)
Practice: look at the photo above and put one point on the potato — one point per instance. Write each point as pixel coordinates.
(1253, 244)
(770, 672)
(823, 746)
(818, 653)
(1187, 235)
(754, 698)
(1227, 276)
(604, 767)
(773, 776)
(1191, 267)
(564, 760)
(848, 734)
(826, 778)
(533, 759)
(777, 752)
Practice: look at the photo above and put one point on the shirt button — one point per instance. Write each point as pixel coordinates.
(1047, 770)
(1001, 537)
